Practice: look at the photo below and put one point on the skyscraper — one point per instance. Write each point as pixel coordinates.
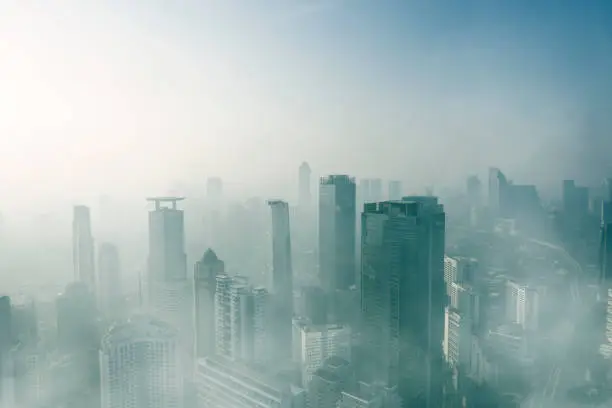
(304, 195)
(498, 187)
(403, 293)
(110, 294)
(282, 275)
(205, 275)
(376, 190)
(395, 190)
(170, 294)
(83, 247)
(241, 320)
(140, 366)
(337, 223)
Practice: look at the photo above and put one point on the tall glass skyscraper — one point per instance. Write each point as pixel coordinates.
(337, 221)
(403, 294)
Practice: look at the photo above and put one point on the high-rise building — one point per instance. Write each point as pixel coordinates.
(376, 190)
(522, 305)
(205, 275)
(403, 294)
(304, 195)
(282, 275)
(317, 343)
(167, 258)
(365, 190)
(140, 366)
(498, 190)
(394, 190)
(337, 223)
(457, 337)
(110, 296)
(241, 320)
(169, 291)
(83, 247)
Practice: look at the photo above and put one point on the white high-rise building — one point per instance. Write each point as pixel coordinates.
(140, 366)
(242, 315)
(313, 344)
(522, 305)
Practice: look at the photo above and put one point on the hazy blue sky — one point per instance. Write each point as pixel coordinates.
(130, 95)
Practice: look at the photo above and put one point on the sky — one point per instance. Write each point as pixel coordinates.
(120, 97)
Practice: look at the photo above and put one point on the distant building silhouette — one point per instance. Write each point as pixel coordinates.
(83, 247)
(304, 193)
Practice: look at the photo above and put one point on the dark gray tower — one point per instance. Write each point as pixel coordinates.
(403, 294)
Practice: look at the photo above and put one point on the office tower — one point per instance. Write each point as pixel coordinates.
(304, 195)
(498, 186)
(314, 304)
(316, 343)
(169, 290)
(457, 337)
(522, 305)
(474, 191)
(110, 295)
(337, 219)
(364, 190)
(222, 383)
(140, 365)
(459, 269)
(205, 275)
(376, 190)
(6, 324)
(83, 247)
(395, 190)
(403, 294)
(241, 320)
(466, 300)
(282, 275)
